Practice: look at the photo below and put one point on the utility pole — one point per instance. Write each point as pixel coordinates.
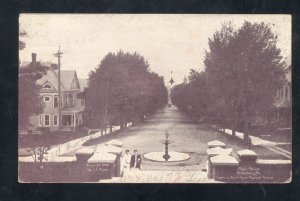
(58, 55)
(105, 115)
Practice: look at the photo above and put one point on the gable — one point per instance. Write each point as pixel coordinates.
(69, 80)
(75, 83)
(50, 78)
(47, 87)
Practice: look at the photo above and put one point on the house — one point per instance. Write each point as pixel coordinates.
(71, 103)
(281, 112)
(283, 100)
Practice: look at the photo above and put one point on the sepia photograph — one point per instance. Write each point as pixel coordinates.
(155, 98)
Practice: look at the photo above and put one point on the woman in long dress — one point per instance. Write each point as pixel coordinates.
(126, 162)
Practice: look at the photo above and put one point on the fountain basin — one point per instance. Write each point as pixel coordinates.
(174, 156)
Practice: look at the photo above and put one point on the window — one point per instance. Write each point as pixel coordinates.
(47, 86)
(55, 102)
(47, 99)
(55, 120)
(47, 120)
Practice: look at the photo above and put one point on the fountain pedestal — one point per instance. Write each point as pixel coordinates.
(166, 156)
(166, 142)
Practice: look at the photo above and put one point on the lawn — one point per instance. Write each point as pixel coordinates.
(50, 139)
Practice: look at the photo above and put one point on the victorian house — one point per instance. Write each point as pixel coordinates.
(71, 103)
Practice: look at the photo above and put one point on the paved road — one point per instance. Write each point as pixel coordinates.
(187, 136)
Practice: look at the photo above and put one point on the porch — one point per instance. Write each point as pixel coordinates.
(70, 122)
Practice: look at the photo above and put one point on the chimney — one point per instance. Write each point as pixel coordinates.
(33, 57)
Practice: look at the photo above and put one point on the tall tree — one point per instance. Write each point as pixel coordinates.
(245, 68)
(192, 97)
(123, 89)
(29, 101)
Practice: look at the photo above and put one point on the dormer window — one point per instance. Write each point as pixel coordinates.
(47, 86)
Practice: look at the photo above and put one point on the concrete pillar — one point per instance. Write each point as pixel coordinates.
(214, 152)
(101, 165)
(223, 166)
(247, 156)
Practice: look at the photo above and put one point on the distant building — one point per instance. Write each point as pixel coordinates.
(72, 102)
(283, 100)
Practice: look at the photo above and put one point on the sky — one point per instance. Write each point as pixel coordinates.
(168, 42)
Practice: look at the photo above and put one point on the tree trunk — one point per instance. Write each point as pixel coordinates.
(121, 123)
(110, 129)
(269, 117)
(233, 132)
(246, 131)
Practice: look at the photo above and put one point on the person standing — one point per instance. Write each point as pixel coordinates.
(126, 161)
(136, 160)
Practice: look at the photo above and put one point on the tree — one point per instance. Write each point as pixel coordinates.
(244, 69)
(123, 89)
(29, 101)
(38, 149)
(22, 45)
(192, 97)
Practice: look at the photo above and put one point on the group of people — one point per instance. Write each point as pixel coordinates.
(131, 161)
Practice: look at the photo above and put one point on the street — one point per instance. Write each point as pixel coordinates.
(188, 137)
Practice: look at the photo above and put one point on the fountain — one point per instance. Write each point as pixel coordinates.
(166, 156)
(166, 142)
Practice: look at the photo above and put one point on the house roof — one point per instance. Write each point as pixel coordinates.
(66, 77)
(51, 76)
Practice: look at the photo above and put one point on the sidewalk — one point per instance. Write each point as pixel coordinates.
(139, 176)
(257, 141)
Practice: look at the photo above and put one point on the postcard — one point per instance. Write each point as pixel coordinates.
(155, 98)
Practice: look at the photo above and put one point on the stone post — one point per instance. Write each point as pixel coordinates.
(214, 152)
(247, 156)
(223, 167)
(83, 154)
